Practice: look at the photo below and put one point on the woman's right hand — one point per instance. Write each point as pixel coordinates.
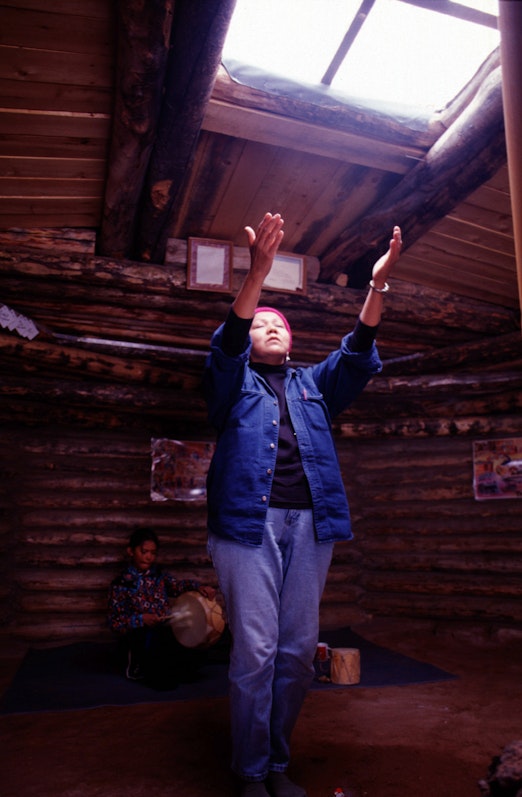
(264, 243)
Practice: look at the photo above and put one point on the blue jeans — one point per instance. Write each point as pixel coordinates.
(272, 595)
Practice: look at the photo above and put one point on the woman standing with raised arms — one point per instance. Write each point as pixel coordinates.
(277, 503)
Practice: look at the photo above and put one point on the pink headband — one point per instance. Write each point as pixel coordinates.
(281, 316)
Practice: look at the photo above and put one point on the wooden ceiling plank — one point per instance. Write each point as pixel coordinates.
(344, 201)
(95, 9)
(466, 231)
(56, 97)
(55, 211)
(20, 145)
(71, 168)
(484, 218)
(435, 275)
(40, 123)
(64, 32)
(46, 66)
(50, 187)
(314, 176)
(237, 206)
(294, 134)
(467, 270)
(70, 218)
(275, 188)
(455, 249)
(490, 199)
(500, 180)
(217, 160)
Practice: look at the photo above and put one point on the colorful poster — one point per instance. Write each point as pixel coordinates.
(497, 468)
(179, 469)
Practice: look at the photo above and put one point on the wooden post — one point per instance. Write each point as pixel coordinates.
(143, 46)
(510, 24)
(197, 39)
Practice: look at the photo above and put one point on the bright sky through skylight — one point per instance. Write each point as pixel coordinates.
(402, 54)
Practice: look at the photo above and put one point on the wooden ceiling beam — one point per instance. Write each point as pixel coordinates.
(510, 21)
(197, 39)
(143, 45)
(316, 139)
(464, 157)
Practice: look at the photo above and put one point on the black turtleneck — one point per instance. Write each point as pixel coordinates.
(289, 485)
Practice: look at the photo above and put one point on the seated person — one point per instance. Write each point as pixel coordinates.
(138, 610)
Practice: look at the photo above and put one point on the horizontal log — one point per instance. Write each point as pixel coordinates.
(508, 425)
(458, 537)
(188, 561)
(502, 348)
(64, 239)
(354, 118)
(441, 514)
(93, 604)
(346, 593)
(443, 584)
(408, 302)
(34, 353)
(467, 563)
(62, 580)
(478, 609)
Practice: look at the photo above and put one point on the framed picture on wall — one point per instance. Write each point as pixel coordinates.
(179, 469)
(209, 265)
(497, 468)
(288, 274)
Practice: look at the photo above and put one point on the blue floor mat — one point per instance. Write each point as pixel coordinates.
(87, 674)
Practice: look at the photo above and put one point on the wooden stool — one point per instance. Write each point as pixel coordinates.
(345, 666)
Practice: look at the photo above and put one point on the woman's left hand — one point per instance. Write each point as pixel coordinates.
(384, 265)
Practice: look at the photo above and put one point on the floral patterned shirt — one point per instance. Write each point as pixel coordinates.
(135, 593)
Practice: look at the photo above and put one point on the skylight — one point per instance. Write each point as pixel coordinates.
(402, 53)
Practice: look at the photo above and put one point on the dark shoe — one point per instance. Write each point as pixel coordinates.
(279, 784)
(253, 790)
(134, 671)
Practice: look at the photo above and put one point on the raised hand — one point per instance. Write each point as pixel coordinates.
(384, 264)
(264, 243)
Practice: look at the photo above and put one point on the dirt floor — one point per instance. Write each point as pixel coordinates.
(432, 740)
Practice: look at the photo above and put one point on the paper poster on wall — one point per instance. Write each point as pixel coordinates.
(179, 469)
(497, 468)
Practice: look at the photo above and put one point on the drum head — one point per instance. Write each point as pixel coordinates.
(196, 621)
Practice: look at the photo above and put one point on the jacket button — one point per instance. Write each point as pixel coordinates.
(269, 470)
(274, 423)
(264, 499)
(272, 445)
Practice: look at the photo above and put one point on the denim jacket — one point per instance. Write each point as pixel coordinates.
(244, 411)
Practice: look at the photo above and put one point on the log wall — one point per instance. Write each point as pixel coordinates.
(70, 499)
(424, 548)
(77, 417)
